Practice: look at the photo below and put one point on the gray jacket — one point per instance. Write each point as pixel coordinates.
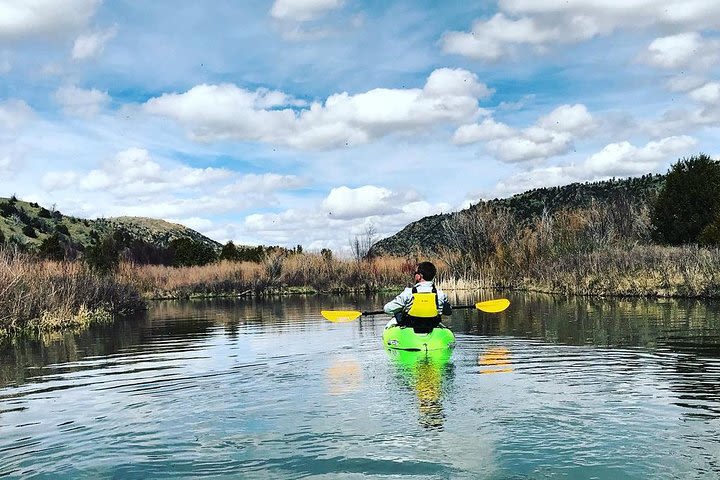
(403, 301)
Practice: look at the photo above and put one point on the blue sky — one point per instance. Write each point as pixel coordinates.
(308, 121)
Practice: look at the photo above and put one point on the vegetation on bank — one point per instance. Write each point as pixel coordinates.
(39, 295)
(664, 244)
(656, 235)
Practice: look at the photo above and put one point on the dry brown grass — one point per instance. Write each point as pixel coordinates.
(278, 273)
(45, 295)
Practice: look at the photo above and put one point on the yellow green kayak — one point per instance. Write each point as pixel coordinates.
(405, 338)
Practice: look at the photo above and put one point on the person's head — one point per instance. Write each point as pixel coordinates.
(426, 270)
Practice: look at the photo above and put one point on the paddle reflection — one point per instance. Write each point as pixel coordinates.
(495, 360)
(344, 376)
(428, 374)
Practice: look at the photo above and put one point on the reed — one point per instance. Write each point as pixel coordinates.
(277, 273)
(40, 295)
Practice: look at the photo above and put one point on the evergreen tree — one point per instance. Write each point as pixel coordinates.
(104, 256)
(689, 201)
(52, 248)
(229, 252)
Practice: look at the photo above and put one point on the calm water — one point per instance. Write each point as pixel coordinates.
(554, 387)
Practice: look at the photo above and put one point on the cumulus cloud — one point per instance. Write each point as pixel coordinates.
(212, 112)
(683, 50)
(316, 229)
(134, 172)
(302, 10)
(619, 159)
(708, 93)
(552, 135)
(14, 113)
(81, 102)
(20, 19)
(625, 159)
(539, 25)
(91, 45)
(346, 203)
(265, 183)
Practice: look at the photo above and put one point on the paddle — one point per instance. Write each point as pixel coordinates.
(488, 306)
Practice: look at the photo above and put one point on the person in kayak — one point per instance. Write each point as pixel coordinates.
(420, 306)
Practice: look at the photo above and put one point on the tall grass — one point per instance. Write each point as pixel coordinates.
(45, 295)
(603, 249)
(278, 273)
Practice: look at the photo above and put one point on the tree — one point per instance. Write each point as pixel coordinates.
(52, 248)
(360, 245)
(104, 256)
(229, 252)
(689, 201)
(187, 252)
(29, 231)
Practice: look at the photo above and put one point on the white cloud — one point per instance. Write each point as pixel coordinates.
(81, 102)
(14, 113)
(552, 135)
(347, 203)
(213, 112)
(624, 159)
(684, 83)
(302, 10)
(133, 172)
(21, 19)
(684, 50)
(498, 37)
(708, 93)
(489, 129)
(58, 180)
(91, 45)
(574, 119)
(315, 229)
(620, 159)
(265, 183)
(523, 23)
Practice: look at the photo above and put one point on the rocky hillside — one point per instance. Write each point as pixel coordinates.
(28, 224)
(429, 233)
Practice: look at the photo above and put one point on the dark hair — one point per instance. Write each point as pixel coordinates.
(427, 270)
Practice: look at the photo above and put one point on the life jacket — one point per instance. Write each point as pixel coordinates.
(423, 315)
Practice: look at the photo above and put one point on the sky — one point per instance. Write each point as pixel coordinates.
(310, 122)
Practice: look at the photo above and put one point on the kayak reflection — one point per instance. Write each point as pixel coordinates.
(495, 360)
(429, 375)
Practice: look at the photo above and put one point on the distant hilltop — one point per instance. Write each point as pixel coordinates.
(430, 233)
(27, 225)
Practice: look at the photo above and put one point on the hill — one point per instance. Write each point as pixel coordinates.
(28, 224)
(429, 233)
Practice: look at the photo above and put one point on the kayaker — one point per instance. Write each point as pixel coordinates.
(420, 306)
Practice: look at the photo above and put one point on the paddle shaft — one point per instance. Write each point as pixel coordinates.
(379, 312)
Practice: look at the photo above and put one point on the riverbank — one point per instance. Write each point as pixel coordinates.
(43, 296)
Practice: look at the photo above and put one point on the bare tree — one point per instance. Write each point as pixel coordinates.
(361, 244)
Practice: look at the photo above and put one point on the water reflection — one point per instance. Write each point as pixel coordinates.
(344, 375)
(429, 375)
(495, 360)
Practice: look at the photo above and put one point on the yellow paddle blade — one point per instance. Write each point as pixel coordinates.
(493, 306)
(340, 316)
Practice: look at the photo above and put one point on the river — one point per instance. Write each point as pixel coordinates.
(554, 387)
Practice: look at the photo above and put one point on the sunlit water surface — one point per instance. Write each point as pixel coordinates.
(554, 387)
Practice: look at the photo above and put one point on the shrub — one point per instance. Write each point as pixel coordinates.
(52, 248)
(104, 256)
(689, 202)
(29, 231)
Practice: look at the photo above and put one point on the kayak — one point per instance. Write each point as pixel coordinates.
(405, 338)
